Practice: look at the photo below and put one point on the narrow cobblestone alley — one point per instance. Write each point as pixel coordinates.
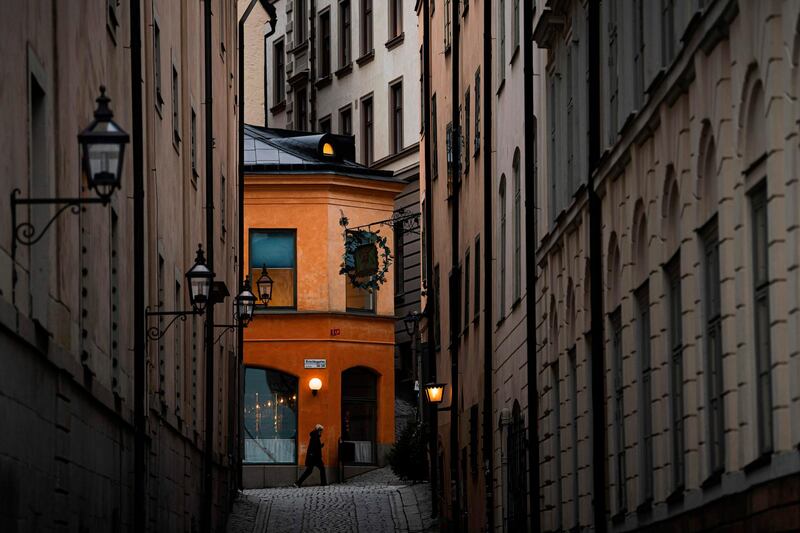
(375, 502)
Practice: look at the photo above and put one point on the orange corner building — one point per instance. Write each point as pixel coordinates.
(317, 325)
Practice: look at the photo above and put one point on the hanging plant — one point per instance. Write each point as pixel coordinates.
(370, 247)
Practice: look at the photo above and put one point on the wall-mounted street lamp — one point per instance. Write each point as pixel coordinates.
(315, 384)
(243, 306)
(434, 393)
(102, 149)
(264, 285)
(199, 279)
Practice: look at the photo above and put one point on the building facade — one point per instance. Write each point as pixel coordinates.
(691, 167)
(67, 334)
(318, 325)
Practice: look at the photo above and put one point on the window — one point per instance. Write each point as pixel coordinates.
(399, 259)
(570, 145)
(517, 468)
(112, 21)
(552, 96)
(176, 107)
(645, 367)
(515, 22)
(300, 16)
(449, 148)
(270, 416)
(275, 250)
(177, 339)
(555, 431)
(422, 110)
(467, 261)
(280, 73)
(395, 18)
(477, 298)
(434, 147)
(501, 42)
(613, 76)
(466, 130)
(502, 246)
(358, 299)
(325, 124)
(346, 121)
(366, 27)
(157, 66)
(367, 132)
(618, 419)
(758, 202)
(477, 112)
(360, 412)
(325, 43)
(193, 141)
(473, 439)
(517, 227)
(345, 38)
(396, 105)
(638, 52)
(301, 109)
(573, 419)
(223, 193)
(667, 31)
(448, 14)
(713, 348)
(437, 321)
(675, 328)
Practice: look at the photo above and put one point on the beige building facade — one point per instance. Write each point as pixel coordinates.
(698, 145)
(67, 316)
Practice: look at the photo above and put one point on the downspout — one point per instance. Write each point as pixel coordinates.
(488, 282)
(596, 277)
(208, 459)
(271, 12)
(455, 272)
(433, 412)
(139, 327)
(531, 243)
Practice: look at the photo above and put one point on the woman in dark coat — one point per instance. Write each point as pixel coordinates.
(314, 456)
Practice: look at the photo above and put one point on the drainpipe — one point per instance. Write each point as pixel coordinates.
(455, 272)
(271, 12)
(139, 327)
(596, 274)
(208, 459)
(488, 281)
(530, 267)
(433, 412)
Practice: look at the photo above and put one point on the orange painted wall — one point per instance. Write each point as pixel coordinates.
(320, 328)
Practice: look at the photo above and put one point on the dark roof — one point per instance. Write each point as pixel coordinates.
(275, 150)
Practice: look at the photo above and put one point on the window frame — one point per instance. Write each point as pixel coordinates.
(672, 272)
(368, 129)
(272, 308)
(297, 415)
(325, 38)
(367, 28)
(396, 115)
(345, 33)
(346, 111)
(300, 15)
(645, 355)
(279, 72)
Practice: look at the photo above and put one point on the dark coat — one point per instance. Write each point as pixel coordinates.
(314, 453)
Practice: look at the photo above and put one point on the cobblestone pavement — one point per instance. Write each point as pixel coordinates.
(374, 502)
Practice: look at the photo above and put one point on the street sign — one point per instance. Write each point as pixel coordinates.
(314, 363)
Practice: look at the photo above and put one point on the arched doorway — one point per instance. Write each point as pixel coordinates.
(270, 416)
(360, 412)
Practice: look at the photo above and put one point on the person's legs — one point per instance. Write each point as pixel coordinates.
(306, 473)
(322, 477)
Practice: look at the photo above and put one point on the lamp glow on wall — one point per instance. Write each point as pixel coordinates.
(315, 384)
(434, 392)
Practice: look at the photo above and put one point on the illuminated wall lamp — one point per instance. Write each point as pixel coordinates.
(315, 384)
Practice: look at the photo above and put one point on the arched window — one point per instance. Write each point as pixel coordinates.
(360, 412)
(502, 246)
(517, 228)
(270, 416)
(517, 479)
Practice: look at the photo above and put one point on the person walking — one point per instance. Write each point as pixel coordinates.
(314, 456)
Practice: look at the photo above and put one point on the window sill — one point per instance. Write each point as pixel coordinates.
(395, 41)
(500, 87)
(676, 496)
(514, 55)
(762, 460)
(324, 81)
(515, 304)
(713, 480)
(646, 507)
(366, 58)
(619, 517)
(360, 312)
(345, 70)
(277, 108)
(300, 48)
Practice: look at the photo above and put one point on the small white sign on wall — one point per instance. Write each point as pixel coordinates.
(314, 363)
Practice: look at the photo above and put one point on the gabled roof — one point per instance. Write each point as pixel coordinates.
(279, 151)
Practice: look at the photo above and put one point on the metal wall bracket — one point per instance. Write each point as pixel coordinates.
(154, 333)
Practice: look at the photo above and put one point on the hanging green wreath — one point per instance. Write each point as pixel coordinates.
(354, 241)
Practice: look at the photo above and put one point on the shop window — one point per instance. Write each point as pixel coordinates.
(359, 412)
(275, 249)
(270, 417)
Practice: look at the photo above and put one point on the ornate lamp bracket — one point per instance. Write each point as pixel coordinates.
(25, 232)
(154, 333)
